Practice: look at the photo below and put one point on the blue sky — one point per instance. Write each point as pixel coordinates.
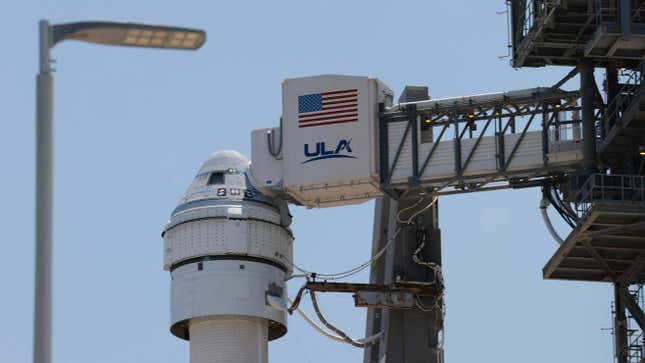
(134, 125)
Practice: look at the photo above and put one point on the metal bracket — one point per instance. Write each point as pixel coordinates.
(400, 295)
(384, 300)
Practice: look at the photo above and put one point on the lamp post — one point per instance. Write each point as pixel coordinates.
(108, 33)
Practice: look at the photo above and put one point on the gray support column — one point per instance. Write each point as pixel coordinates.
(412, 336)
(587, 91)
(620, 327)
(409, 336)
(44, 202)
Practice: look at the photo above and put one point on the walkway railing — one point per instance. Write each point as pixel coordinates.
(610, 189)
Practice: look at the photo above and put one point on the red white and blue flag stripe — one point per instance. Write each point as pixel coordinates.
(328, 108)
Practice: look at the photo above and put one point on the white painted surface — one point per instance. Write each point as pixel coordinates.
(226, 288)
(528, 156)
(228, 340)
(266, 170)
(228, 248)
(349, 179)
(204, 237)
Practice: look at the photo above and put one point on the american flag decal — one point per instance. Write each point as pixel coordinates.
(328, 108)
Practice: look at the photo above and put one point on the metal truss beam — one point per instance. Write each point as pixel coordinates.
(631, 273)
(456, 119)
(574, 72)
(592, 251)
(632, 307)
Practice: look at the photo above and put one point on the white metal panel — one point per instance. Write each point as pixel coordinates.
(403, 168)
(483, 159)
(529, 152)
(336, 194)
(225, 288)
(333, 159)
(342, 165)
(442, 162)
(223, 208)
(266, 170)
(528, 155)
(226, 237)
(331, 162)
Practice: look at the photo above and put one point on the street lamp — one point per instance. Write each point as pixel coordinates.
(109, 33)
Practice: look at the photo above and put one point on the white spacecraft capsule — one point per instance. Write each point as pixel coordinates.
(227, 248)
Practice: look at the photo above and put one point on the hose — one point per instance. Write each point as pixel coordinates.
(270, 143)
(563, 213)
(544, 204)
(376, 256)
(317, 327)
(359, 342)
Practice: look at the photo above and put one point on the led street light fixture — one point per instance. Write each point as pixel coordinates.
(130, 34)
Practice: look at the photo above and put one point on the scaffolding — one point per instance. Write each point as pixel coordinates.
(605, 202)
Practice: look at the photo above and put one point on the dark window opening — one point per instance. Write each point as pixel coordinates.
(216, 178)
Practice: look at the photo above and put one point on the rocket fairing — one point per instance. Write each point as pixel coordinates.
(227, 247)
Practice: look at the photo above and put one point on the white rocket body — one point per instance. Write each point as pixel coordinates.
(227, 246)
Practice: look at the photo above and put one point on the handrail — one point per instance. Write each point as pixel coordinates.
(621, 188)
